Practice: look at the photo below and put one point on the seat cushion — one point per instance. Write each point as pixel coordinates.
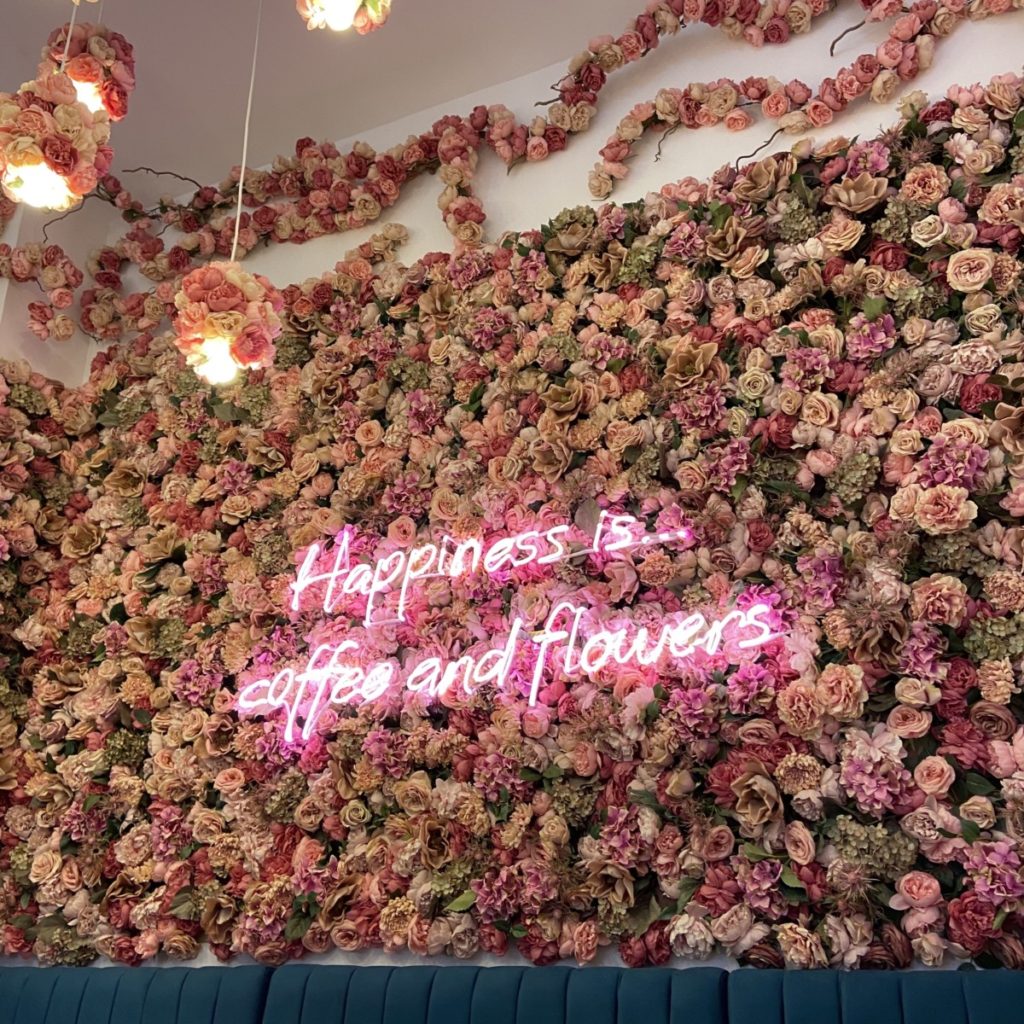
(876, 997)
(173, 995)
(303, 994)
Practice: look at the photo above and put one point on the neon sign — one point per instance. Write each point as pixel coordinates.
(453, 559)
(334, 677)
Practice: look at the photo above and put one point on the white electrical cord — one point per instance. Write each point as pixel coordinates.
(245, 135)
(71, 28)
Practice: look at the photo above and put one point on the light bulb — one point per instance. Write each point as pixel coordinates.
(39, 186)
(339, 14)
(89, 94)
(214, 362)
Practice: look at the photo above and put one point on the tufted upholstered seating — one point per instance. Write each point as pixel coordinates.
(310, 994)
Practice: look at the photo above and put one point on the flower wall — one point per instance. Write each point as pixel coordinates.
(810, 368)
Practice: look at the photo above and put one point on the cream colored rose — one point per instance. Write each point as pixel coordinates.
(944, 509)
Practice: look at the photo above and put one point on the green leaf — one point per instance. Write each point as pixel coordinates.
(296, 927)
(754, 853)
(517, 931)
(969, 830)
(462, 903)
(645, 798)
(738, 488)
(554, 771)
(475, 397)
(529, 775)
(874, 307)
(978, 785)
(91, 801)
(614, 365)
(790, 878)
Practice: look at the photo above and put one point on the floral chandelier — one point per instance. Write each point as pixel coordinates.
(101, 63)
(53, 149)
(339, 15)
(227, 321)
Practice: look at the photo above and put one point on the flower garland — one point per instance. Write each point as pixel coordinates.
(813, 363)
(321, 191)
(907, 50)
(364, 16)
(100, 62)
(53, 149)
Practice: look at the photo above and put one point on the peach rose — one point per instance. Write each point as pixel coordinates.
(934, 776)
(841, 691)
(944, 509)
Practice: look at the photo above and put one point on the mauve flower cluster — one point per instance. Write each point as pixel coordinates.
(813, 363)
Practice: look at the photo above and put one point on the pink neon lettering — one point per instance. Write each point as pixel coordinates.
(330, 681)
(400, 570)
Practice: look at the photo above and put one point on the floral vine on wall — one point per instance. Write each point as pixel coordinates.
(807, 372)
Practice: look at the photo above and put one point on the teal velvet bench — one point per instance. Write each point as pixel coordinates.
(311, 994)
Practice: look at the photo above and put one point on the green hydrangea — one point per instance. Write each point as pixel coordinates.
(452, 880)
(637, 266)
(272, 554)
(886, 855)
(574, 215)
(28, 398)
(798, 223)
(996, 638)
(127, 748)
(855, 477)
(65, 948)
(169, 637)
(411, 373)
(899, 217)
(292, 350)
(575, 803)
(79, 640)
(287, 795)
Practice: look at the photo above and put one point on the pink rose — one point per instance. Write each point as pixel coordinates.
(934, 776)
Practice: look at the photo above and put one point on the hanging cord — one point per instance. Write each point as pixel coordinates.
(99, 13)
(245, 134)
(67, 43)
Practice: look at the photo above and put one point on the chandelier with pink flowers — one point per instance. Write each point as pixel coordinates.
(227, 320)
(100, 63)
(53, 149)
(339, 15)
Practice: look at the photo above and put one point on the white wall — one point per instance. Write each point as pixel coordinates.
(533, 193)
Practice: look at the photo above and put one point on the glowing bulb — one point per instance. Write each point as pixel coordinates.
(215, 364)
(89, 94)
(339, 14)
(39, 186)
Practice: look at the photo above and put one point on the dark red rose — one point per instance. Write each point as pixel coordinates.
(115, 99)
(832, 269)
(971, 922)
(60, 156)
(633, 951)
(656, 940)
(759, 536)
(976, 391)
(779, 429)
(590, 77)
(941, 112)
(555, 138)
(887, 255)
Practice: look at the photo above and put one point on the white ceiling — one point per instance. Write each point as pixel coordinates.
(193, 60)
